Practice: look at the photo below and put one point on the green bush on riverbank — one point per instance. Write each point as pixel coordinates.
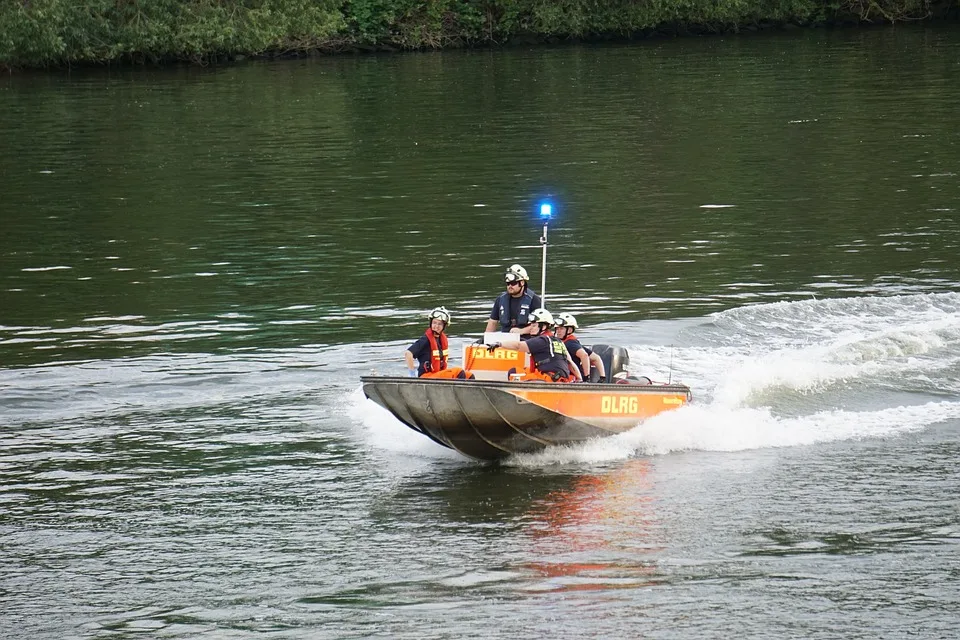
(36, 33)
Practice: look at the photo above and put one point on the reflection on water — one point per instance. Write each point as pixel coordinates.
(609, 516)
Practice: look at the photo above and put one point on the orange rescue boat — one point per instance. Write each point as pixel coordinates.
(493, 416)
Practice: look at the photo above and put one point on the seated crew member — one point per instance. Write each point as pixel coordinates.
(551, 361)
(582, 356)
(511, 311)
(431, 351)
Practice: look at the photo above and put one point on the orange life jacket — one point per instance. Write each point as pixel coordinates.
(438, 352)
(452, 373)
(547, 377)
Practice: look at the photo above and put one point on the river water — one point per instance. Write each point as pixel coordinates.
(198, 264)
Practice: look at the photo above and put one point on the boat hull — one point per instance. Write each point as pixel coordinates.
(489, 420)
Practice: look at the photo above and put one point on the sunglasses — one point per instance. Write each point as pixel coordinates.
(512, 283)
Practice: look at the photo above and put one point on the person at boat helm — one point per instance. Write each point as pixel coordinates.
(511, 311)
(584, 358)
(551, 360)
(431, 351)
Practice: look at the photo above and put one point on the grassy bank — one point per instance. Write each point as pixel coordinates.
(41, 33)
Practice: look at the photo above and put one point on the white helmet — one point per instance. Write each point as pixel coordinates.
(442, 314)
(567, 320)
(516, 272)
(541, 316)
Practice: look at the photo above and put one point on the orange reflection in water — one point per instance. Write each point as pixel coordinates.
(598, 534)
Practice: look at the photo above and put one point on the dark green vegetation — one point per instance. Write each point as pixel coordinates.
(60, 32)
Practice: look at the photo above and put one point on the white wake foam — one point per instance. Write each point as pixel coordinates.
(707, 428)
(382, 431)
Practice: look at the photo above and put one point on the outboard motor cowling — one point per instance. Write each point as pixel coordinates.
(615, 360)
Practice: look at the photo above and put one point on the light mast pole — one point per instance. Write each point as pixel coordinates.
(546, 211)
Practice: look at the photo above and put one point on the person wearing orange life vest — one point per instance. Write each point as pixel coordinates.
(582, 356)
(551, 360)
(431, 350)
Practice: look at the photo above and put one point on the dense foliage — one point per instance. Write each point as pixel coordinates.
(57, 32)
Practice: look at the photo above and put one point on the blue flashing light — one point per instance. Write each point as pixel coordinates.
(546, 210)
